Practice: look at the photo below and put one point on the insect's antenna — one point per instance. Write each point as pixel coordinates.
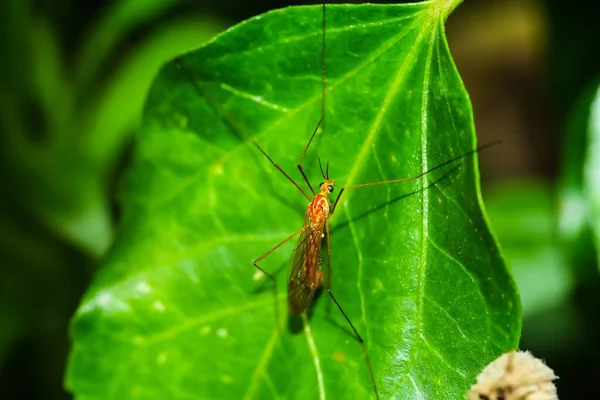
(412, 178)
(327, 171)
(321, 167)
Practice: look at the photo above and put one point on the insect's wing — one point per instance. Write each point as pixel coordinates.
(306, 275)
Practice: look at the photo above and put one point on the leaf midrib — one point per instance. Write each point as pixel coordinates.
(424, 202)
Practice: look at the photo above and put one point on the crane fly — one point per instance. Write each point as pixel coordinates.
(306, 274)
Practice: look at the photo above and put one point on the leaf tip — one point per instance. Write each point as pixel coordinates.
(441, 9)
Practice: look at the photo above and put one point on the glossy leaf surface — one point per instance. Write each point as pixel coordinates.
(179, 312)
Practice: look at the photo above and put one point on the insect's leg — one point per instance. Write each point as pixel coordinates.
(336, 201)
(323, 74)
(289, 178)
(328, 288)
(334, 207)
(299, 165)
(271, 277)
(204, 94)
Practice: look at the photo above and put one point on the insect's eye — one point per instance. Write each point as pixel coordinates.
(330, 188)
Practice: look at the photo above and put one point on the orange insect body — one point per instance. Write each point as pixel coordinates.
(306, 275)
(319, 206)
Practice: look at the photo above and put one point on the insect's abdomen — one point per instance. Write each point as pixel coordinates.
(306, 274)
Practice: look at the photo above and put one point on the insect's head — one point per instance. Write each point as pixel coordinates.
(328, 185)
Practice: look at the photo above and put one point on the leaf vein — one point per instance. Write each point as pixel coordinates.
(454, 260)
(412, 381)
(451, 318)
(253, 97)
(424, 196)
(202, 319)
(387, 100)
(361, 296)
(260, 367)
(465, 270)
(315, 355)
(441, 357)
(318, 32)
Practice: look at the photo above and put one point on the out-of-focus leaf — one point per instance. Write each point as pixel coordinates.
(592, 168)
(573, 52)
(524, 217)
(118, 112)
(46, 172)
(11, 324)
(119, 19)
(175, 311)
(573, 211)
(579, 185)
(50, 83)
(58, 154)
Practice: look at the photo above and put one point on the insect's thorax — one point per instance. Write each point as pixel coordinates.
(318, 209)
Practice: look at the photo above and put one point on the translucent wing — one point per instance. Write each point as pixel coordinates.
(306, 274)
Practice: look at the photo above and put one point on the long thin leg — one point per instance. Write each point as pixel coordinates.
(282, 171)
(323, 75)
(336, 201)
(328, 288)
(299, 165)
(271, 277)
(236, 127)
(412, 178)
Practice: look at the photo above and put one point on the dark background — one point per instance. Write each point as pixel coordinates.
(528, 67)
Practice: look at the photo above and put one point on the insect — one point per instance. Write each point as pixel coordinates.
(306, 274)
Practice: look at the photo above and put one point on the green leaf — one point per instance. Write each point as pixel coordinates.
(579, 219)
(524, 215)
(121, 17)
(592, 168)
(47, 174)
(59, 159)
(118, 111)
(178, 311)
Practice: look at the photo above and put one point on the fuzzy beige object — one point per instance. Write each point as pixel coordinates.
(516, 375)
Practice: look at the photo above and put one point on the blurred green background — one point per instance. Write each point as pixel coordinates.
(73, 81)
